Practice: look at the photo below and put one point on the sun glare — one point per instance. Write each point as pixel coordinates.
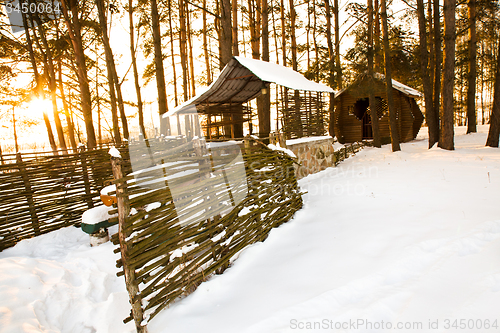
(37, 106)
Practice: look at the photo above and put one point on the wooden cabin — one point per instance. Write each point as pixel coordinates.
(224, 111)
(352, 116)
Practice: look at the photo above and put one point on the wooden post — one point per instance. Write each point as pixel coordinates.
(88, 193)
(129, 272)
(247, 144)
(29, 194)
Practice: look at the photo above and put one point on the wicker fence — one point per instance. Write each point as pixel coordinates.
(41, 192)
(168, 243)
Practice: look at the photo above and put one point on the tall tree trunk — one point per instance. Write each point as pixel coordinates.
(308, 32)
(276, 49)
(38, 90)
(109, 66)
(283, 31)
(471, 80)
(254, 21)
(16, 145)
(371, 96)
(430, 43)
(98, 101)
(331, 66)
(426, 76)
(183, 49)
(317, 55)
(31, 52)
(160, 75)
(378, 58)
(74, 31)
(172, 50)
(338, 65)
(190, 46)
(51, 76)
(293, 37)
(69, 121)
(112, 67)
(393, 124)
(119, 100)
(140, 110)
(482, 82)
(234, 8)
(205, 43)
(226, 41)
(437, 65)
(494, 131)
(446, 139)
(264, 100)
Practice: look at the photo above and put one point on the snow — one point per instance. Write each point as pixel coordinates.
(58, 283)
(285, 150)
(338, 146)
(283, 76)
(399, 86)
(98, 214)
(307, 139)
(406, 237)
(114, 152)
(108, 189)
(395, 84)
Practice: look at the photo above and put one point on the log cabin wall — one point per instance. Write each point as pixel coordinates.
(349, 128)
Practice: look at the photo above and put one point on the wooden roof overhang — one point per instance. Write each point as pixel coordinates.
(241, 81)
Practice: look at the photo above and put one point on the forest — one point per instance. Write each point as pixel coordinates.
(93, 62)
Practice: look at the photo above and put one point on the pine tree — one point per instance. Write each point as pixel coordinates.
(446, 139)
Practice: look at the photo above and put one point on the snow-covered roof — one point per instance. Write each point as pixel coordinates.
(399, 86)
(243, 79)
(281, 75)
(395, 84)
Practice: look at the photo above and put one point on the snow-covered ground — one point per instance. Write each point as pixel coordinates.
(408, 239)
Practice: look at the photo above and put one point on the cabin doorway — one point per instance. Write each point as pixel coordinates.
(361, 111)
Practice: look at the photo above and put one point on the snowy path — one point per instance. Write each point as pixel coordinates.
(406, 237)
(410, 238)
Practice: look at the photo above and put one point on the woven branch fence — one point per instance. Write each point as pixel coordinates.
(349, 150)
(170, 243)
(40, 192)
(303, 114)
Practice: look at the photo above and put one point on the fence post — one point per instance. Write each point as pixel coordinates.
(29, 194)
(85, 174)
(129, 272)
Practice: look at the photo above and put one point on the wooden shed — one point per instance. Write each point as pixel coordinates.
(223, 107)
(352, 116)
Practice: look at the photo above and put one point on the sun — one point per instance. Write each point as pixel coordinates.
(38, 106)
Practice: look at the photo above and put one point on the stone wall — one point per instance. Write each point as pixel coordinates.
(314, 154)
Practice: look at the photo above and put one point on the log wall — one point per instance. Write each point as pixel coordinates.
(348, 127)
